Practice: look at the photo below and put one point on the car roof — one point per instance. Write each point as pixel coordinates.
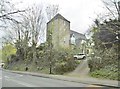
(80, 53)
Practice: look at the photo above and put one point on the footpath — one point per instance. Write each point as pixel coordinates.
(81, 79)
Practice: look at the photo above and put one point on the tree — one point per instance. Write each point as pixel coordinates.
(28, 32)
(34, 23)
(51, 11)
(108, 31)
(7, 9)
(8, 14)
(113, 7)
(106, 39)
(7, 50)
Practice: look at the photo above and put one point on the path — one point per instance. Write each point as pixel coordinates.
(82, 69)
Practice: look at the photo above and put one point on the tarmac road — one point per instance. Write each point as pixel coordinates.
(20, 80)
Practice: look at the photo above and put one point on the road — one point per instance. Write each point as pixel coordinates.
(0, 78)
(20, 80)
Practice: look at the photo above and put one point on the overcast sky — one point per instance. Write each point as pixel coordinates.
(80, 13)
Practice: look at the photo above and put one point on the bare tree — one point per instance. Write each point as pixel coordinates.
(113, 6)
(7, 9)
(33, 23)
(8, 16)
(51, 11)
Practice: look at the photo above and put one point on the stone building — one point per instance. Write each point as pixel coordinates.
(60, 35)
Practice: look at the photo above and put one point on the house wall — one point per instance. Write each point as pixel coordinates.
(60, 33)
(64, 33)
(78, 45)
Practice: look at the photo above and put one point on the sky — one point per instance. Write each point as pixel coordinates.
(80, 13)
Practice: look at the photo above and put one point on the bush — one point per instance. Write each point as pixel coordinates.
(102, 58)
(95, 64)
(62, 68)
(64, 65)
(60, 61)
(108, 72)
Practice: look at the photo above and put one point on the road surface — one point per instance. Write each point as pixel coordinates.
(20, 80)
(0, 78)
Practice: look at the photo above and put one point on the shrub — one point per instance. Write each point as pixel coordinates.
(108, 72)
(95, 64)
(102, 58)
(64, 65)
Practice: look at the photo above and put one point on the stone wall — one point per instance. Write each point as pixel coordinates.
(60, 33)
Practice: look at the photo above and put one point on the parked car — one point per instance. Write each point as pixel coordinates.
(79, 56)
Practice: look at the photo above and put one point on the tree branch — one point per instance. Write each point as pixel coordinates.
(9, 18)
(2, 16)
(108, 8)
